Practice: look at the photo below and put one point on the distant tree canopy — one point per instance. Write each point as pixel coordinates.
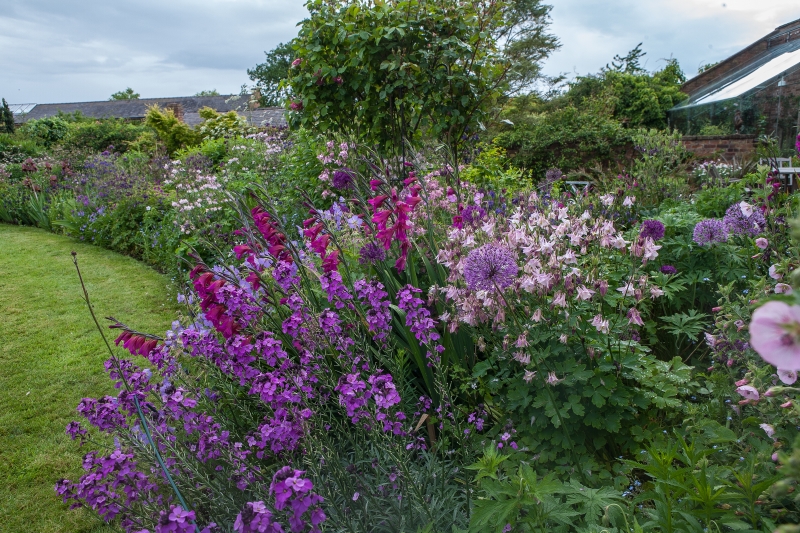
(127, 94)
(6, 118)
(212, 92)
(393, 70)
(269, 74)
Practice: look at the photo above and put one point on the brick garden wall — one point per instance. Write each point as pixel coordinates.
(726, 146)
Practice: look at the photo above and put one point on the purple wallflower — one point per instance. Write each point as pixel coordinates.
(490, 266)
(669, 269)
(653, 229)
(343, 179)
(740, 222)
(710, 231)
(371, 253)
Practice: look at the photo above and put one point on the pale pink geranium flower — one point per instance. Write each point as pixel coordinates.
(775, 334)
(769, 430)
(773, 272)
(748, 392)
(762, 243)
(787, 376)
(783, 288)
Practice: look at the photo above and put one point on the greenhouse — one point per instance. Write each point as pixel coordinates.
(754, 92)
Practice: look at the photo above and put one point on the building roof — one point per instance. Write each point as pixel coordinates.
(755, 67)
(137, 109)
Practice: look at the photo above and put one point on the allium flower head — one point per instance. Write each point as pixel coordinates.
(490, 266)
(653, 229)
(371, 253)
(743, 219)
(710, 231)
(343, 179)
(775, 334)
(669, 270)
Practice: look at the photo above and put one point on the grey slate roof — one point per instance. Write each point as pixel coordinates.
(136, 109)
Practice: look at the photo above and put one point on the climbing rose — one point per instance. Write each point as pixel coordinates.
(775, 334)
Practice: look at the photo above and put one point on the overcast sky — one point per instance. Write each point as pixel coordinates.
(80, 50)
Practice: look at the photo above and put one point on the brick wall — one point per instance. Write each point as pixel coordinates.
(726, 146)
(782, 34)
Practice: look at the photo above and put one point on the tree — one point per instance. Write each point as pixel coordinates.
(127, 94)
(385, 72)
(212, 92)
(269, 74)
(6, 118)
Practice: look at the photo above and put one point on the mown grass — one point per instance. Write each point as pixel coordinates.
(51, 356)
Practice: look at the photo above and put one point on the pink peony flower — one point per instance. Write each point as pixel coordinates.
(762, 243)
(787, 376)
(775, 334)
(748, 392)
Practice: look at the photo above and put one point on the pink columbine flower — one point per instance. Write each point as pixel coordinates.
(528, 377)
(537, 315)
(775, 334)
(787, 376)
(600, 324)
(552, 379)
(627, 290)
(783, 288)
(634, 317)
(748, 392)
(628, 202)
(584, 293)
(762, 243)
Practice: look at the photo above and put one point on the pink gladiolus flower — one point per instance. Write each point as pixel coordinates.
(775, 334)
(748, 392)
(762, 243)
(787, 376)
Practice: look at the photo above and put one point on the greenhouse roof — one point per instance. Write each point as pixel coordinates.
(751, 77)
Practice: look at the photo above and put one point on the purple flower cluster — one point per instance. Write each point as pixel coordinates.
(343, 179)
(473, 214)
(653, 229)
(418, 318)
(371, 253)
(740, 222)
(669, 270)
(490, 267)
(378, 312)
(710, 231)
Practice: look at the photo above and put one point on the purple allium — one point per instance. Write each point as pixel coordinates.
(653, 229)
(743, 219)
(490, 266)
(710, 231)
(473, 214)
(669, 270)
(343, 179)
(553, 174)
(371, 253)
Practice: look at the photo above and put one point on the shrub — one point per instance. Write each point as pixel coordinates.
(171, 131)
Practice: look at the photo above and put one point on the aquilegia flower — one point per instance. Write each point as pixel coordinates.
(490, 266)
(743, 219)
(775, 334)
(710, 231)
(653, 229)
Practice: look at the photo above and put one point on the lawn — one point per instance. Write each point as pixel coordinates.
(51, 356)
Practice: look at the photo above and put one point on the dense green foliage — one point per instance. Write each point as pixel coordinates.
(393, 71)
(6, 118)
(270, 74)
(127, 94)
